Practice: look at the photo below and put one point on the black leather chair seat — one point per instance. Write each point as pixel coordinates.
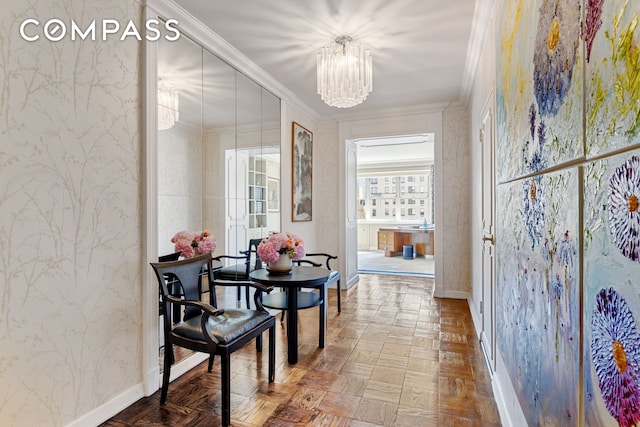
(233, 323)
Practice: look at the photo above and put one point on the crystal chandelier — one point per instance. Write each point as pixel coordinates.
(344, 73)
(168, 113)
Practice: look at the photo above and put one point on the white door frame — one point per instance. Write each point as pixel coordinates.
(409, 124)
(487, 295)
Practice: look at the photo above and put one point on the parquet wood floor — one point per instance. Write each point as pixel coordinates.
(395, 356)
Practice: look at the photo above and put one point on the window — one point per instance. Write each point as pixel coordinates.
(403, 197)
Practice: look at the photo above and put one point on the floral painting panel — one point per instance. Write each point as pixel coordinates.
(612, 44)
(611, 291)
(538, 294)
(539, 86)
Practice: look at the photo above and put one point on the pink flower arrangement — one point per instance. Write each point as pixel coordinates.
(192, 244)
(270, 249)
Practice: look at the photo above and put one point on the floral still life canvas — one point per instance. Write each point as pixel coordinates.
(612, 44)
(538, 294)
(611, 292)
(539, 87)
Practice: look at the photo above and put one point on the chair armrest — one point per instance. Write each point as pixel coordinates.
(306, 261)
(221, 257)
(328, 257)
(256, 285)
(206, 308)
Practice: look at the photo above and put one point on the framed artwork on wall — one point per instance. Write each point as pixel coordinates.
(273, 195)
(301, 170)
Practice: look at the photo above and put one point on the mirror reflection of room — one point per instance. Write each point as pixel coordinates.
(218, 152)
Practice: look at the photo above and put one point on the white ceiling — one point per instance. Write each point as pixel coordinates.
(422, 49)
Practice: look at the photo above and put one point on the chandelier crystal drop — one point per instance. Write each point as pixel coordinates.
(168, 106)
(345, 76)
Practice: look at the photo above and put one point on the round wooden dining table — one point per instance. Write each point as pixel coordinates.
(299, 277)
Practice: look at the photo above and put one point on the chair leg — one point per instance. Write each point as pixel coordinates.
(210, 367)
(226, 389)
(166, 374)
(238, 296)
(259, 343)
(338, 287)
(246, 290)
(282, 315)
(272, 354)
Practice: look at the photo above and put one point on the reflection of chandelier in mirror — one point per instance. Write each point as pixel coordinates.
(168, 113)
(344, 73)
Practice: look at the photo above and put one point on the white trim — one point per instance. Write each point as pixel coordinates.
(205, 36)
(456, 295)
(479, 29)
(511, 414)
(110, 408)
(149, 294)
(103, 412)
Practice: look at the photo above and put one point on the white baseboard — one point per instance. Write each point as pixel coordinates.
(511, 414)
(135, 393)
(110, 408)
(476, 318)
(455, 294)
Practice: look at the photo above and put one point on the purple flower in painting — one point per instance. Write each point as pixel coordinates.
(534, 206)
(623, 208)
(542, 135)
(615, 351)
(557, 43)
(591, 24)
(567, 252)
(532, 120)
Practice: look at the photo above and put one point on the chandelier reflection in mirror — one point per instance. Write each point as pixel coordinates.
(168, 106)
(344, 73)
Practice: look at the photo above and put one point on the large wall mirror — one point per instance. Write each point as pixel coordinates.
(218, 150)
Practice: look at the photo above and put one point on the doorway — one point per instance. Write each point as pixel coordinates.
(396, 204)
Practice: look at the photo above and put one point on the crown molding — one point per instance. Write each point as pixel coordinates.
(205, 36)
(479, 29)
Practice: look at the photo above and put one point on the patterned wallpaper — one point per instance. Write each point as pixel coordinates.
(456, 165)
(69, 215)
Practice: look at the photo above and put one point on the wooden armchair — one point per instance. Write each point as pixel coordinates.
(246, 262)
(208, 329)
(320, 259)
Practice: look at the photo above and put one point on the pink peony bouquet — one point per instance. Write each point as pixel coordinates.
(270, 249)
(192, 244)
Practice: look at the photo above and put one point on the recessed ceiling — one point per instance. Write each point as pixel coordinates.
(420, 48)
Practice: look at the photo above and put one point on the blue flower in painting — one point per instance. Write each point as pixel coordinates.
(557, 43)
(623, 208)
(556, 288)
(615, 351)
(567, 252)
(534, 206)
